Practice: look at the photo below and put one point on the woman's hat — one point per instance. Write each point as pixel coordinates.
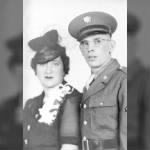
(47, 47)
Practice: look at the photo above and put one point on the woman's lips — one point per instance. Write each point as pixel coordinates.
(48, 77)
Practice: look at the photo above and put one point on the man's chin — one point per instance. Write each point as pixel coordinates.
(93, 65)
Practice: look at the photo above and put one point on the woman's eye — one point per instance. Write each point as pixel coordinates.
(56, 63)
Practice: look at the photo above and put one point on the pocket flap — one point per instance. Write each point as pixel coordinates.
(102, 102)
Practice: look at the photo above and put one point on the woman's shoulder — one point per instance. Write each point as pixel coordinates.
(33, 101)
(74, 95)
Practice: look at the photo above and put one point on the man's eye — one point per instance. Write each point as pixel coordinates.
(98, 41)
(43, 64)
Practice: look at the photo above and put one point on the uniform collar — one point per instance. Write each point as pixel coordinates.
(103, 78)
(105, 75)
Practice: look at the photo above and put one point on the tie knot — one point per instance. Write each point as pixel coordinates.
(90, 81)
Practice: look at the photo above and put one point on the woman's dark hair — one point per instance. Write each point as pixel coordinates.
(66, 63)
(47, 49)
(65, 59)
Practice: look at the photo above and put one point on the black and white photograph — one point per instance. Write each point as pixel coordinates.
(75, 75)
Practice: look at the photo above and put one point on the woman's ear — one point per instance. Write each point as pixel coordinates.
(35, 70)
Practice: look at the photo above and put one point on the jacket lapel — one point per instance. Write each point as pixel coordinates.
(37, 103)
(102, 79)
(96, 86)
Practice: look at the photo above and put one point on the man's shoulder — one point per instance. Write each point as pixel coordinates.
(119, 75)
(122, 72)
(123, 69)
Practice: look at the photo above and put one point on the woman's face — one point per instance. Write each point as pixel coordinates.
(51, 73)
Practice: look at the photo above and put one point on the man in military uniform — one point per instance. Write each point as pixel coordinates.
(104, 103)
(11, 131)
(138, 91)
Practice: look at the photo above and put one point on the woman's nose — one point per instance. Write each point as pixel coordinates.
(48, 68)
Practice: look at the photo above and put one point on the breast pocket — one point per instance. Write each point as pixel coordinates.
(103, 110)
(101, 101)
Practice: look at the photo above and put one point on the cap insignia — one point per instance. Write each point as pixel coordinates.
(87, 19)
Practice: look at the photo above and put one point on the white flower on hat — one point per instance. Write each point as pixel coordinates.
(52, 104)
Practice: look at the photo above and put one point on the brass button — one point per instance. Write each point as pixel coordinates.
(105, 77)
(28, 127)
(84, 138)
(101, 103)
(36, 116)
(26, 141)
(85, 122)
(84, 106)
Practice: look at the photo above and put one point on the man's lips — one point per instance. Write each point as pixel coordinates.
(91, 58)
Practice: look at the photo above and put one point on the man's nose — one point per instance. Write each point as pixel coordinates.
(91, 46)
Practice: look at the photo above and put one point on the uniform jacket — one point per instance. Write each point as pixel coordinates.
(64, 130)
(104, 110)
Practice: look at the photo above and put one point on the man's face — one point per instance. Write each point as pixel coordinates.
(96, 49)
(51, 73)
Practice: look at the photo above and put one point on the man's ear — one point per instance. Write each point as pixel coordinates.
(112, 45)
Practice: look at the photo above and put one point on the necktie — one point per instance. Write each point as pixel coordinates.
(89, 82)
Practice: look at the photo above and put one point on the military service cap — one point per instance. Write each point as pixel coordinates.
(92, 23)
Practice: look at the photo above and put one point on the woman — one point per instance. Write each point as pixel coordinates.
(51, 120)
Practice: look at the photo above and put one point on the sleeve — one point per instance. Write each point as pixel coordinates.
(26, 116)
(26, 109)
(123, 115)
(70, 122)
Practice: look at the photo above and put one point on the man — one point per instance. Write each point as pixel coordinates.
(11, 131)
(138, 91)
(104, 103)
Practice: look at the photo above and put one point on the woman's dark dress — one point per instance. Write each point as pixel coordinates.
(64, 130)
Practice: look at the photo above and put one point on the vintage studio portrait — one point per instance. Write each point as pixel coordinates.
(75, 75)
